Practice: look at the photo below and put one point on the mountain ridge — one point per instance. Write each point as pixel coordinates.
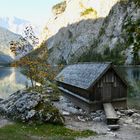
(77, 33)
(6, 37)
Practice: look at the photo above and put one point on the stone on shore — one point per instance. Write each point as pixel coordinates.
(30, 107)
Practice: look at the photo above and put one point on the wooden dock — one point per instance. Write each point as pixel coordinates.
(110, 113)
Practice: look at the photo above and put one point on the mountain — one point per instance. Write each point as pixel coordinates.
(17, 25)
(5, 59)
(14, 24)
(6, 37)
(94, 30)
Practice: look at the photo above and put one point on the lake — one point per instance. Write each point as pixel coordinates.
(12, 79)
(132, 76)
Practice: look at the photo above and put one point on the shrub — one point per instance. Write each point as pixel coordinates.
(59, 8)
(89, 11)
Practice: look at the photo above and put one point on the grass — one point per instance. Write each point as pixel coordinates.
(20, 131)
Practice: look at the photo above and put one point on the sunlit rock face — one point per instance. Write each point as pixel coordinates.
(89, 25)
(73, 11)
(73, 30)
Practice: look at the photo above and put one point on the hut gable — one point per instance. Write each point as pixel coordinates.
(82, 75)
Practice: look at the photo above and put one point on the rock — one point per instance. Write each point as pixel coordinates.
(70, 35)
(122, 111)
(112, 133)
(128, 121)
(118, 113)
(103, 118)
(81, 119)
(65, 113)
(113, 127)
(99, 111)
(136, 115)
(49, 91)
(129, 112)
(30, 114)
(28, 107)
(97, 119)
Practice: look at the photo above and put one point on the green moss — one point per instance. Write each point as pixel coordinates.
(47, 132)
(89, 11)
(60, 6)
(124, 1)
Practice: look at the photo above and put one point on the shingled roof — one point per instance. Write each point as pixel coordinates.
(82, 75)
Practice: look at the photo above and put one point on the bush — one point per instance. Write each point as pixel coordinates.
(89, 11)
(59, 8)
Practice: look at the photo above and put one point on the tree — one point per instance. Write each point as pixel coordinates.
(20, 47)
(24, 45)
(35, 66)
(133, 38)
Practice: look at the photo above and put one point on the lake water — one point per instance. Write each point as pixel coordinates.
(132, 76)
(12, 80)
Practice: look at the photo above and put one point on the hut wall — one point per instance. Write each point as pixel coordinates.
(75, 90)
(118, 88)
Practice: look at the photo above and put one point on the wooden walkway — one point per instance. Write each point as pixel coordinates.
(110, 113)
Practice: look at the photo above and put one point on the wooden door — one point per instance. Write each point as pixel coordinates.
(106, 92)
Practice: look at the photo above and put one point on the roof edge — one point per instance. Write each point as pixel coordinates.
(109, 66)
(116, 71)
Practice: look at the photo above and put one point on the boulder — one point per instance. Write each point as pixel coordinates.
(129, 112)
(136, 115)
(113, 127)
(30, 107)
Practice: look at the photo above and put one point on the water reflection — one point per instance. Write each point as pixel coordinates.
(4, 72)
(132, 75)
(11, 80)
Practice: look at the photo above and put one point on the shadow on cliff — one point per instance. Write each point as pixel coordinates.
(78, 42)
(72, 41)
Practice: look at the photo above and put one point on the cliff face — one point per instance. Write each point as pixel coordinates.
(72, 11)
(118, 28)
(85, 30)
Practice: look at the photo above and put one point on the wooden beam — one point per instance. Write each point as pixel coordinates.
(110, 113)
(75, 95)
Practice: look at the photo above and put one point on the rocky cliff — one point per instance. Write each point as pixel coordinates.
(94, 30)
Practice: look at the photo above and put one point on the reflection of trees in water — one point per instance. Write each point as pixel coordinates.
(4, 72)
(122, 71)
(136, 74)
(11, 82)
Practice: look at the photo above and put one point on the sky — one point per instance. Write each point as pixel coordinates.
(36, 11)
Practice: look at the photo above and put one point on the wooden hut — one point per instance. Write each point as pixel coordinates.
(89, 85)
